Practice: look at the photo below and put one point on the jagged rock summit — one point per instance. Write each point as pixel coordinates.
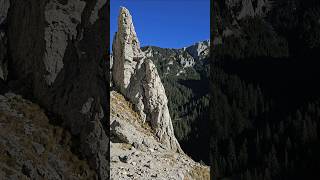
(136, 77)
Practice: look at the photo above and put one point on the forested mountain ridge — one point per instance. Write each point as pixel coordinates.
(264, 121)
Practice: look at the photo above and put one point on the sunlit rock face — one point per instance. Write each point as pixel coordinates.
(126, 50)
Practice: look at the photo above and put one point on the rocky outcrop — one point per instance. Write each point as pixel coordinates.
(230, 15)
(137, 154)
(32, 148)
(57, 51)
(249, 8)
(199, 50)
(136, 77)
(157, 107)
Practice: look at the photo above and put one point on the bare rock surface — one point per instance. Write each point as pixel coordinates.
(137, 154)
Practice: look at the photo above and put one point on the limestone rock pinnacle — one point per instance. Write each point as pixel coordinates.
(126, 50)
(136, 77)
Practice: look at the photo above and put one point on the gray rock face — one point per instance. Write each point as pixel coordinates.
(199, 50)
(4, 6)
(137, 78)
(126, 51)
(57, 51)
(186, 60)
(62, 20)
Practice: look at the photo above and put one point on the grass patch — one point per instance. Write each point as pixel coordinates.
(200, 173)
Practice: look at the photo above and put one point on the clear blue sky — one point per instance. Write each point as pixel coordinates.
(165, 23)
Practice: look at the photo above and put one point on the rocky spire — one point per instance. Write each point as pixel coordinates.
(136, 77)
(126, 50)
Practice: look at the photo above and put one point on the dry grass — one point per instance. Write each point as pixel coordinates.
(200, 173)
(125, 146)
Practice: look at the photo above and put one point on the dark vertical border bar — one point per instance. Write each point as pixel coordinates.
(108, 84)
(212, 35)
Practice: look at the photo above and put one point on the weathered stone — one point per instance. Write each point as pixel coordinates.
(125, 132)
(62, 20)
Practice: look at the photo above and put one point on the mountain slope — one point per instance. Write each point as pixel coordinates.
(137, 154)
